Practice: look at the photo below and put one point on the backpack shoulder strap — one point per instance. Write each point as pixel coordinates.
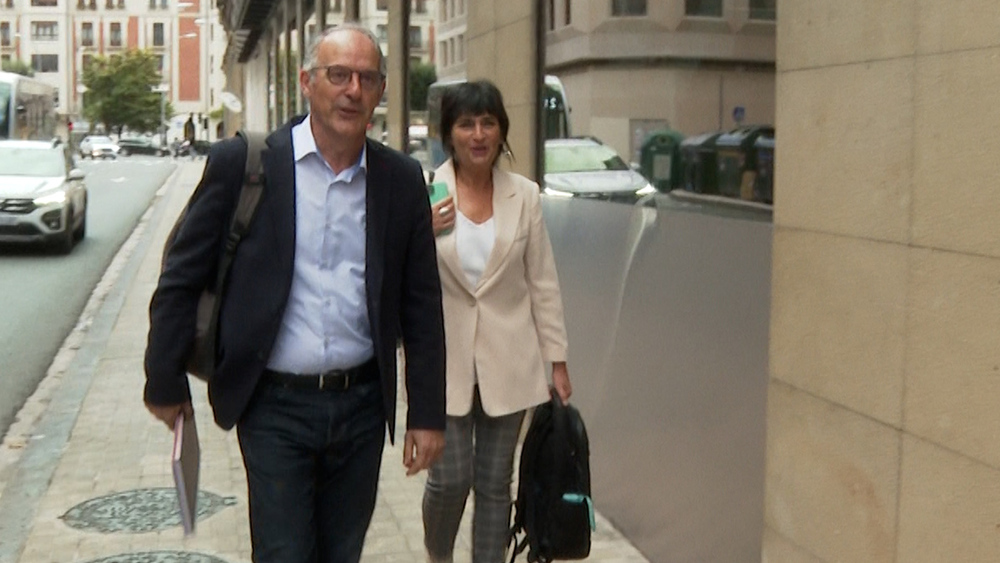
(253, 182)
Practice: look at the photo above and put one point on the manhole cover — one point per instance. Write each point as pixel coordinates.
(160, 557)
(139, 511)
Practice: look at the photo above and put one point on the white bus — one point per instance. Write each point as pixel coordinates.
(555, 114)
(27, 108)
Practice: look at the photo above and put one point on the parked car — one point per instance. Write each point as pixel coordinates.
(140, 145)
(98, 146)
(585, 167)
(42, 196)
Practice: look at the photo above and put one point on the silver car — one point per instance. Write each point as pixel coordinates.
(585, 167)
(42, 197)
(98, 146)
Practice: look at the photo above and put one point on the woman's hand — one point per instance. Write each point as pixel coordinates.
(560, 380)
(443, 215)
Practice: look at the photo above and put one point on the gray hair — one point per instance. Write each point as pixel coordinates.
(313, 51)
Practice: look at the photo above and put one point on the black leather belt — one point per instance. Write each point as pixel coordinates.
(332, 380)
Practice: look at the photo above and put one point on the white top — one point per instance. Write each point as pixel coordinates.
(473, 243)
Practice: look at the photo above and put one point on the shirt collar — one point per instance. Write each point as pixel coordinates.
(304, 144)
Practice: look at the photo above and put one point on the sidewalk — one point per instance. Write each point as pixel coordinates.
(85, 473)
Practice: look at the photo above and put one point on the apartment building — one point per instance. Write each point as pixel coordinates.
(451, 27)
(58, 37)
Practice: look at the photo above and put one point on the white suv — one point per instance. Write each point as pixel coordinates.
(98, 146)
(42, 197)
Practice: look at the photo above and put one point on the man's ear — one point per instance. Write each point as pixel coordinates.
(305, 83)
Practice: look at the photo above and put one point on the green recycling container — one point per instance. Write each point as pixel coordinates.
(659, 159)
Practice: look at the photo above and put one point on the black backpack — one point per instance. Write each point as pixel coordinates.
(553, 509)
(201, 361)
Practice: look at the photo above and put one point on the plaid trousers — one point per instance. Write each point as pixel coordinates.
(478, 455)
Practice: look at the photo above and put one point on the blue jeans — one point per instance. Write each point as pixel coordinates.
(312, 460)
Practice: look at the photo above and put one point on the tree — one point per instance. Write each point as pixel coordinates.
(121, 91)
(422, 75)
(18, 66)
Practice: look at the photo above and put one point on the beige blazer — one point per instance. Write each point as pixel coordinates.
(504, 329)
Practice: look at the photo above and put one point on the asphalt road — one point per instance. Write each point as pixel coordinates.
(44, 293)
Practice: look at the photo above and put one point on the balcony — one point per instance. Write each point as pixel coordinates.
(245, 21)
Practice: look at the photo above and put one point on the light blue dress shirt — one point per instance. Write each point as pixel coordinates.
(326, 320)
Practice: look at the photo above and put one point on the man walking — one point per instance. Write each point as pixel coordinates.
(338, 266)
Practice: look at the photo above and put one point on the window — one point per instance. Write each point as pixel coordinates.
(85, 62)
(109, 4)
(451, 51)
(382, 5)
(337, 5)
(704, 8)
(116, 35)
(159, 63)
(629, 7)
(382, 32)
(461, 48)
(44, 31)
(416, 37)
(419, 6)
(5, 58)
(763, 9)
(87, 34)
(566, 12)
(461, 7)
(44, 2)
(5, 34)
(45, 63)
(550, 15)
(157, 34)
(152, 4)
(443, 47)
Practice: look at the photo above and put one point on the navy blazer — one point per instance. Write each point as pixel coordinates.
(401, 275)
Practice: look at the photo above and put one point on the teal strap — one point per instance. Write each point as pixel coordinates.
(577, 498)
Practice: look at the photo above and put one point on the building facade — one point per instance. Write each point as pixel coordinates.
(450, 47)
(58, 37)
(258, 61)
(631, 67)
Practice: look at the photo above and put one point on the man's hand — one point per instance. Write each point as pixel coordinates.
(169, 413)
(421, 448)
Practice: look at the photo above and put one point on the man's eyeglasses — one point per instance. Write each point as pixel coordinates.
(341, 76)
